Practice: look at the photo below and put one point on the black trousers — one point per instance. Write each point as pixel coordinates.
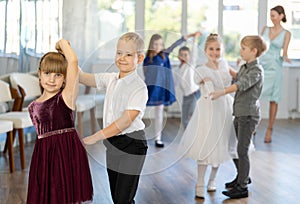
(125, 157)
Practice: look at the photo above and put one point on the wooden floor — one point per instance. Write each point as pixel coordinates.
(170, 179)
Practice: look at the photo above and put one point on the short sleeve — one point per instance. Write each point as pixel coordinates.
(199, 74)
(226, 78)
(102, 80)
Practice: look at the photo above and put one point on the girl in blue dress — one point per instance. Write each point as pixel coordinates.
(159, 79)
(278, 39)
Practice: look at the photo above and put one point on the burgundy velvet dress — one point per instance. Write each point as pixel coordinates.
(59, 170)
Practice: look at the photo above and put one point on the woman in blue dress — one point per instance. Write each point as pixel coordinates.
(159, 79)
(278, 39)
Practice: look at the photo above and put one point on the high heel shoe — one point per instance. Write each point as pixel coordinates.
(268, 137)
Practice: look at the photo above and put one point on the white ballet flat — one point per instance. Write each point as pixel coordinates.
(212, 186)
(200, 191)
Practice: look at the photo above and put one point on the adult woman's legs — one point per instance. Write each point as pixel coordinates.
(272, 116)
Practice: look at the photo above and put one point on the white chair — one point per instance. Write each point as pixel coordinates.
(7, 127)
(85, 102)
(99, 100)
(98, 97)
(20, 119)
(26, 83)
(29, 85)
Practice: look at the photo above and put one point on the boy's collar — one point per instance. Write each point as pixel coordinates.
(128, 78)
(249, 64)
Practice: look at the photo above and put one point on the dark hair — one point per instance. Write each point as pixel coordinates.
(280, 10)
(184, 48)
(150, 52)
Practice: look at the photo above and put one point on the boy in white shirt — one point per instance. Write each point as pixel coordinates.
(190, 90)
(123, 128)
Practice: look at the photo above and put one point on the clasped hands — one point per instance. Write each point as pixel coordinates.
(216, 94)
(91, 139)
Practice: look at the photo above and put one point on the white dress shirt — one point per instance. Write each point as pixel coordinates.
(128, 93)
(186, 74)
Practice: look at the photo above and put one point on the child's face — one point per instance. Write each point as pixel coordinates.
(127, 57)
(158, 46)
(50, 81)
(247, 54)
(184, 56)
(213, 50)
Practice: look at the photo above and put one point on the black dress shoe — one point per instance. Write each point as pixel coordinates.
(237, 192)
(234, 182)
(159, 143)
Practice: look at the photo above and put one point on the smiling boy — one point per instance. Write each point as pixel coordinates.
(123, 128)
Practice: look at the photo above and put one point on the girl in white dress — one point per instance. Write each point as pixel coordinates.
(210, 130)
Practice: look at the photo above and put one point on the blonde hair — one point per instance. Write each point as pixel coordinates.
(255, 42)
(213, 37)
(136, 38)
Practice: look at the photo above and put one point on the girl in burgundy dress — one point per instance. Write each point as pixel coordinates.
(59, 169)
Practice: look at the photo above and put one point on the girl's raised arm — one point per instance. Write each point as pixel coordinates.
(70, 91)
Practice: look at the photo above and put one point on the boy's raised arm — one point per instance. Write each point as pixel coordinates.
(87, 79)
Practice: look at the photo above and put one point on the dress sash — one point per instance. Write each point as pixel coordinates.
(55, 132)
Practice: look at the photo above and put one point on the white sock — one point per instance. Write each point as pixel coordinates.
(158, 121)
(213, 173)
(201, 174)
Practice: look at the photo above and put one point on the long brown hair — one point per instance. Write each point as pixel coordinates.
(150, 52)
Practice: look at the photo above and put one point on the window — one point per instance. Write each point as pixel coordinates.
(41, 25)
(115, 18)
(239, 19)
(9, 24)
(35, 25)
(163, 17)
(28, 25)
(2, 26)
(202, 17)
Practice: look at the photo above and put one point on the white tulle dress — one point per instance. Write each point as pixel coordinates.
(210, 137)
